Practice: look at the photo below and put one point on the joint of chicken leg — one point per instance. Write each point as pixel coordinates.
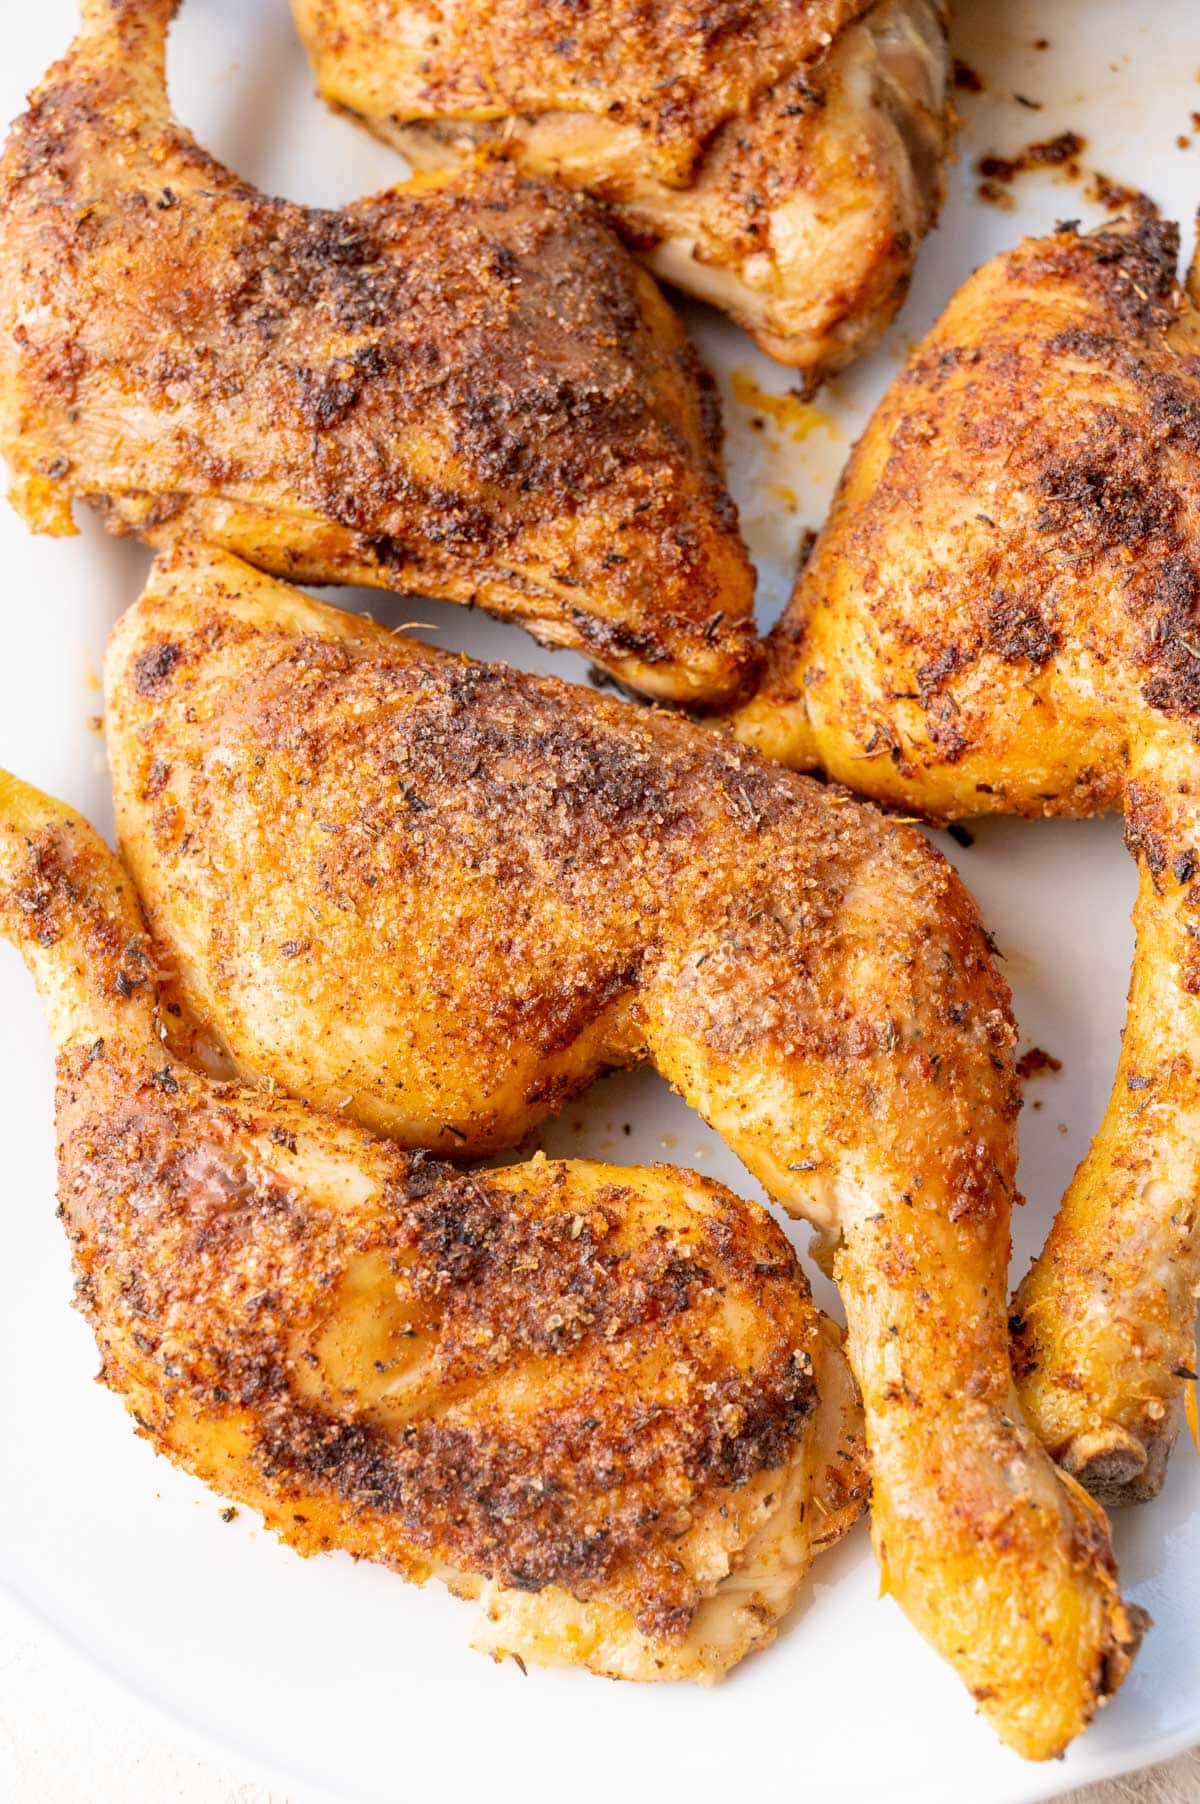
(484, 888)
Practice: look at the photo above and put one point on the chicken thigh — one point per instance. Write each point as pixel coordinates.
(1003, 615)
(779, 158)
(440, 897)
(463, 386)
(599, 1400)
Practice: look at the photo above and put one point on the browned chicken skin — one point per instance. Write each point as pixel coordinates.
(599, 1400)
(1003, 615)
(441, 896)
(463, 386)
(779, 158)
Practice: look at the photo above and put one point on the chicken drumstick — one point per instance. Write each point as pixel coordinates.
(441, 896)
(1003, 615)
(599, 1400)
(463, 386)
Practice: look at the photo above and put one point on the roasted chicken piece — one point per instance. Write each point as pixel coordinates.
(1003, 615)
(779, 158)
(463, 386)
(599, 1400)
(440, 897)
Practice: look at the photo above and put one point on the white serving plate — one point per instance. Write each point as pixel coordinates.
(338, 1678)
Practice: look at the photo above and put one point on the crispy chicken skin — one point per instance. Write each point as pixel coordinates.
(463, 386)
(1003, 615)
(672, 70)
(779, 158)
(441, 896)
(600, 1400)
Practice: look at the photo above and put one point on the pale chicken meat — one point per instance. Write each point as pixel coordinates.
(1003, 615)
(598, 1400)
(781, 159)
(463, 387)
(441, 897)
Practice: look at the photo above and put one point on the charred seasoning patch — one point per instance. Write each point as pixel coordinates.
(1018, 632)
(998, 173)
(532, 1516)
(1173, 637)
(49, 892)
(1117, 197)
(1146, 829)
(153, 667)
(1095, 501)
(544, 1282)
(1129, 273)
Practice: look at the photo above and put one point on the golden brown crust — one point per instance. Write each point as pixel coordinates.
(1003, 614)
(674, 70)
(463, 386)
(442, 896)
(605, 1390)
(798, 211)
(504, 1275)
(609, 850)
(1105, 1319)
(945, 647)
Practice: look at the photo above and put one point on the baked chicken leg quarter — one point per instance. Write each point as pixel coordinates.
(780, 158)
(599, 1400)
(1003, 614)
(463, 387)
(441, 896)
